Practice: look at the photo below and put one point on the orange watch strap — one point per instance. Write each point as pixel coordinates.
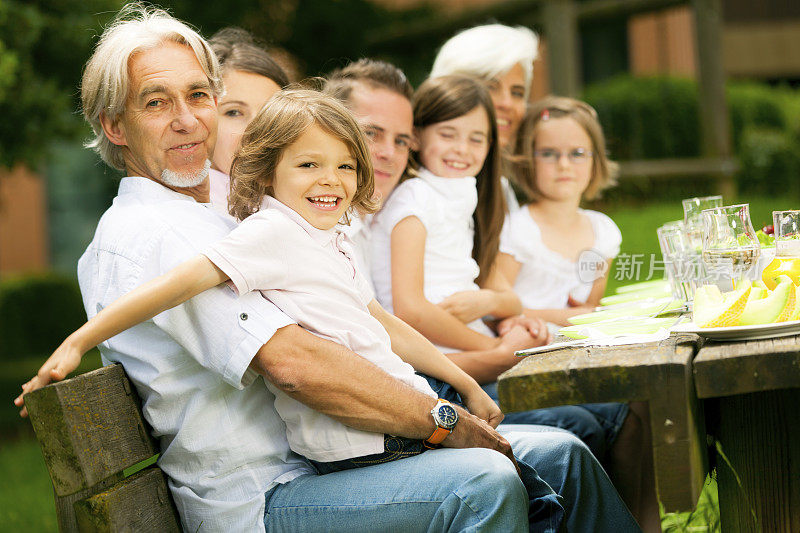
(438, 435)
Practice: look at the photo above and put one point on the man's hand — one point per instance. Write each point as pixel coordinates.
(469, 305)
(64, 360)
(472, 432)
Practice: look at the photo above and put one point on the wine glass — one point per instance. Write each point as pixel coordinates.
(693, 219)
(730, 245)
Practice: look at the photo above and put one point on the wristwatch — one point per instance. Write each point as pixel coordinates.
(445, 416)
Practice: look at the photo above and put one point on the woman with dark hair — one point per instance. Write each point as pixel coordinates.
(251, 77)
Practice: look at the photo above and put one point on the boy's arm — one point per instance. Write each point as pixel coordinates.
(164, 292)
(413, 348)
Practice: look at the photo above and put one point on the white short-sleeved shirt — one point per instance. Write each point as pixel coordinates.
(359, 231)
(311, 276)
(445, 207)
(546, 278)
(222, 442)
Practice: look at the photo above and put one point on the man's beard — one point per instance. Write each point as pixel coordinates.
(185, 179)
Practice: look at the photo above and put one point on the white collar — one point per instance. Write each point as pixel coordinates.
(320, 236)
(461, 194)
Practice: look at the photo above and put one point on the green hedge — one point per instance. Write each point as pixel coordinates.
(647, 118)
(770, 162)
(37, 311)
(658, 117)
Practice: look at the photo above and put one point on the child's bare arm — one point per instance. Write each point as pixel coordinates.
(416, 350)
(164, 292)
(495, 298)
(599, 288)
(410, 305)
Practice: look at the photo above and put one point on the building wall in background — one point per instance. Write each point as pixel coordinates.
(760, 40)
(763, 49)
(662, 43)
(23, 221)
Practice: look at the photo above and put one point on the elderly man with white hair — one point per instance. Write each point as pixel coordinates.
(150, 93)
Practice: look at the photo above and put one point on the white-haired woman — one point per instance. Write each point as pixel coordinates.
(502, 56)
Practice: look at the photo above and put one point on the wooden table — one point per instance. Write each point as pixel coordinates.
(658, 373)
(752, 392)
(747, 393)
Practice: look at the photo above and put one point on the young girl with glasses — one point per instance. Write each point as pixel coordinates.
(554, 253)
(557, 257)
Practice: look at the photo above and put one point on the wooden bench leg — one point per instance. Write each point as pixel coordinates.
(759, 434)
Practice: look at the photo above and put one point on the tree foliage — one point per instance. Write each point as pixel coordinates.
(43, 45)
(322, 36)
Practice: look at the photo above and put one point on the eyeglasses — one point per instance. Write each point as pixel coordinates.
(578, 156)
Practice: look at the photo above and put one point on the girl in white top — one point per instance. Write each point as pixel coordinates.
(556, 254)
(435, 240)
(303, 165)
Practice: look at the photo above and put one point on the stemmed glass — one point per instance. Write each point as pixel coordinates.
(730, 245)
(693, 220)
(787, 248)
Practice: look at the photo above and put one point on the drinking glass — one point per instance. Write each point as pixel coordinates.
(730, 245)
(787, 248)
(693, 220)
(677, 253)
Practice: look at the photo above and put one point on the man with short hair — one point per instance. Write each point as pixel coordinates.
(150, 92)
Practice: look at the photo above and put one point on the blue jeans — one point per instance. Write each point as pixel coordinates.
(448, 489)
(545, 511)
(596, 424)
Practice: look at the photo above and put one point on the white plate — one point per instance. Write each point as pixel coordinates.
(740, 333)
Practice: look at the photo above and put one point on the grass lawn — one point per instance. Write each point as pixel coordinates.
(26, 498)
(26, 494)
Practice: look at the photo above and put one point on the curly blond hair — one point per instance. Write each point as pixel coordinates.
(282, 120)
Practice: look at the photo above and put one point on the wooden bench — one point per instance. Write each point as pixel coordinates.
(91, 430)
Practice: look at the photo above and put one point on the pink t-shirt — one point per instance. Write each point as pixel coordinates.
(310, 275)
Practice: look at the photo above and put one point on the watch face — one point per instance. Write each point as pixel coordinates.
(447, 416)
